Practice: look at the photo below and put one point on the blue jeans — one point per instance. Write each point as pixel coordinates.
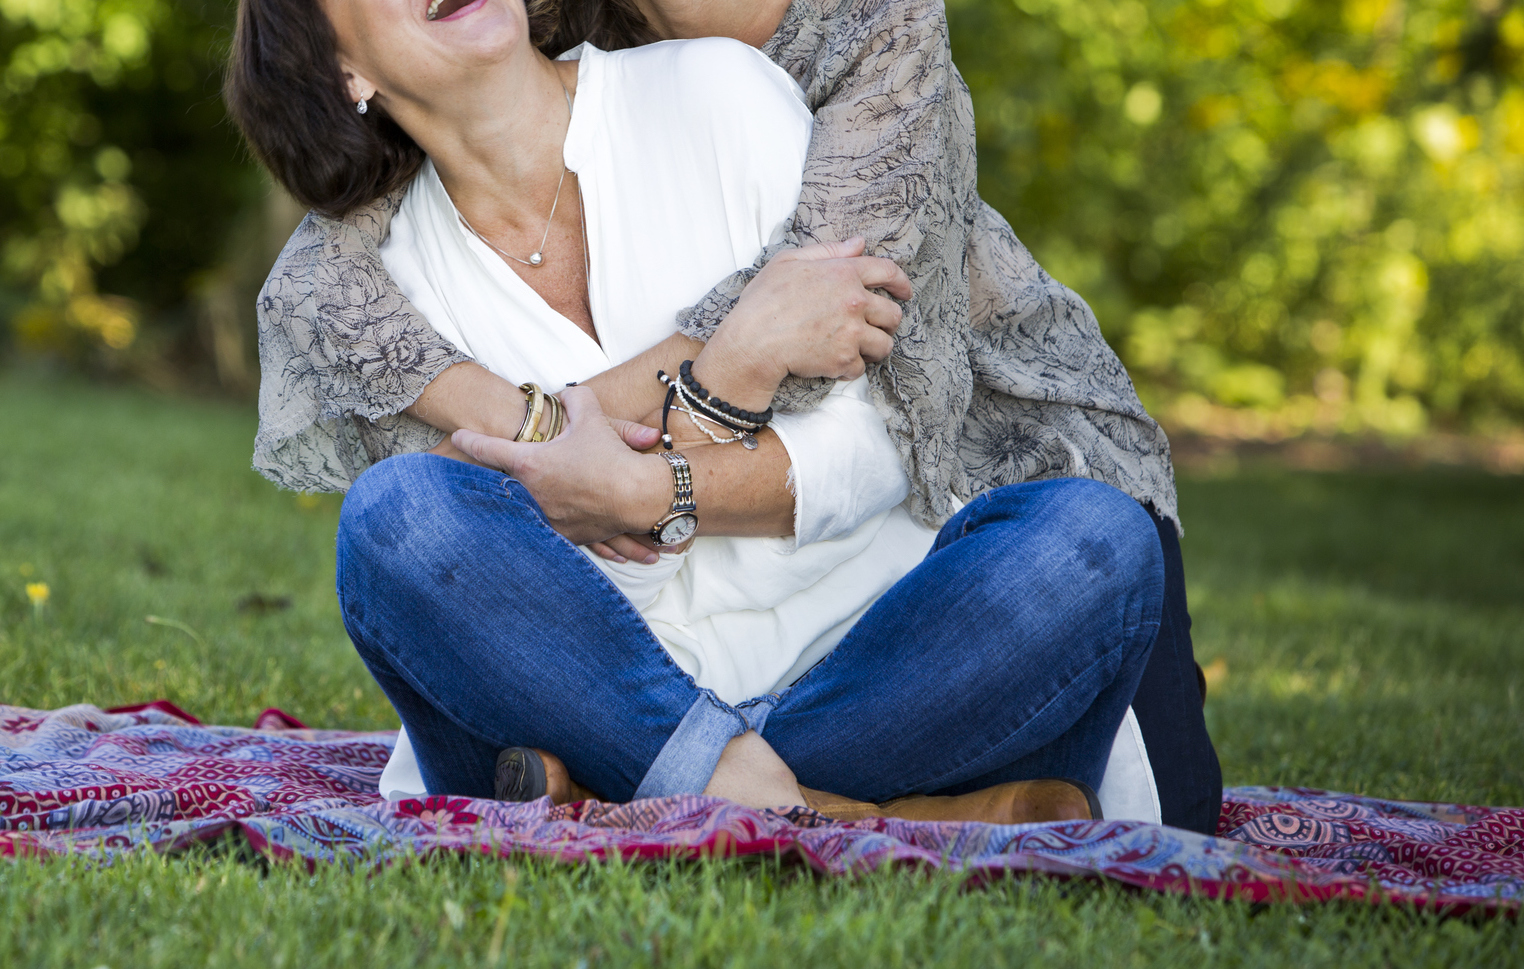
(1011, 652)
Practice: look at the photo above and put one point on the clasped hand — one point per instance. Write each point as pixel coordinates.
(592, 482)
(811, 312)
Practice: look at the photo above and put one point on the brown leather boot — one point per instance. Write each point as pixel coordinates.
(527, 773)
(1018, 802)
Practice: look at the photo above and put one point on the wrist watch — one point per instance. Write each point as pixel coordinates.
(682, 521)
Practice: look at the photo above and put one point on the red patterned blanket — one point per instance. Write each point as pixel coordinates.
(91, 782)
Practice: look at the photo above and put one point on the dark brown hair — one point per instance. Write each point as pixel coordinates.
(285, 91)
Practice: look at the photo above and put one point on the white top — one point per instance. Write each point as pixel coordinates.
(689, 155)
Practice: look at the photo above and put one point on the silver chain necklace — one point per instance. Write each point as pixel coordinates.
(537, 258)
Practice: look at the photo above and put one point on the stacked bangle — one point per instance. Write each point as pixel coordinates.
(709, 401)
(699, 404)
(536, 403)
(557, 417)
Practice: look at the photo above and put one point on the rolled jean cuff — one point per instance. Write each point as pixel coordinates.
(688, 759)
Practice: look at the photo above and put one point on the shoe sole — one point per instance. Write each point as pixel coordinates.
(520, 775)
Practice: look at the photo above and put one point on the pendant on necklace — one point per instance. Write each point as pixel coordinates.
(536, 258)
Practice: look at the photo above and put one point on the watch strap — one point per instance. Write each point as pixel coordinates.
(682, 482)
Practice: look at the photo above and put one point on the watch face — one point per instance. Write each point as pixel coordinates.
(679, 529)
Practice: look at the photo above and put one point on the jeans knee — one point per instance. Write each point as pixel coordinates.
(1121, 517)
(1112, 535)
(406, 508)
(376, 506)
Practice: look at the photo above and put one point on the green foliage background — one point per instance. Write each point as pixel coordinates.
(1290, 215)
(120, 178)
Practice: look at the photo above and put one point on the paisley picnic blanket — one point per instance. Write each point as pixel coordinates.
(97, 783)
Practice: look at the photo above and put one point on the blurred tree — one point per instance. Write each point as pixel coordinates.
(1289, 214)
(119, 177)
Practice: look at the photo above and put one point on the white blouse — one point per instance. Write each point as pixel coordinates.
(689, 155)
(681, 189)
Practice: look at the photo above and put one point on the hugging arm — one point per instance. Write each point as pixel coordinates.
(890, 160)
(342, 355)
(354, 350)
(353, 373)
(811, 312)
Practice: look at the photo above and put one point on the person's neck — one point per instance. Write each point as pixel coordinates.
(498, 145)
(750, 21)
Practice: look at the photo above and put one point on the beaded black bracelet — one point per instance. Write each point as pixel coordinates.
(685, 371)
(698, 411)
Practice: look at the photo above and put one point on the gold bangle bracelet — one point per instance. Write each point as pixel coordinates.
(527, 390)
(534, 401)
(552, 419)
(557, 417)
(543, 433)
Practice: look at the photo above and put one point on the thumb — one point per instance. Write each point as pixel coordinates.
(637, 436)
(495, 452)
(581, 404)
(846, 249)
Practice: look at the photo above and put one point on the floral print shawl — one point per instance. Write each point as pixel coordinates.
(999, 373)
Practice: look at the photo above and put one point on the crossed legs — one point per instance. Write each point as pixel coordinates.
(1010, 653)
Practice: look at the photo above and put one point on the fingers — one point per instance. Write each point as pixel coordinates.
(580, 402)
(883, 313)
(624, 548)
(857, 368)
(875, 272)
(494, 452)
(638, 437)
(846, 249)
(629, 548)
(874, 345)
(604, 552)
(884, 274)
(581, 408)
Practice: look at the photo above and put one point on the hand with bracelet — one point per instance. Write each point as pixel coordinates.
(816, 311)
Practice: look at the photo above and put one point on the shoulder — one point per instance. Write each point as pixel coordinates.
(823, 43)
(929, 16)
(711, 76)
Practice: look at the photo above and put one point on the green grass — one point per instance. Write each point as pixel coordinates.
(1370, 629)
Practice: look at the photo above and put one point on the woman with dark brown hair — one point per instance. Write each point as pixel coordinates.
(808, 314)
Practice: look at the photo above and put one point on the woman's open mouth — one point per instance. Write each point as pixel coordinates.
(447, 9)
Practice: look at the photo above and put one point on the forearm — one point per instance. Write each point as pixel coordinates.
(591, 486)
(470, 396)
(739, 492)
(630, 390)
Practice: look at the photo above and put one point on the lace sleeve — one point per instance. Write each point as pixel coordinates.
(342, 354)
(891, 160)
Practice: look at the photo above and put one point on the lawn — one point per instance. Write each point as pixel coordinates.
(1363, 632)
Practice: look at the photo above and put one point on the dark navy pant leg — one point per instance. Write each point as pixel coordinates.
(1168, 708)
